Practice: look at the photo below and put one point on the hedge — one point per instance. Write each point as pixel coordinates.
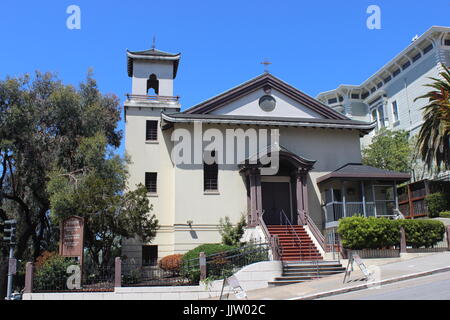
(368, 233)
(436, 203)
(376, 233)
(423, 233)
(445, 214)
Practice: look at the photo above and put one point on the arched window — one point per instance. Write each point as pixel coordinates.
(153, 83)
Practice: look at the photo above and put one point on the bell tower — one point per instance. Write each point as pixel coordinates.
(152, 72)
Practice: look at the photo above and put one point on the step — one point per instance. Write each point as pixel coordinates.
(296, 278)
(282, 283)
(299, 269)
(310, 273)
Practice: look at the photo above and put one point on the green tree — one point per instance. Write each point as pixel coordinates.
(231, 235)
(97, 192)
(434, 138)
(390, 150)
(42, 122)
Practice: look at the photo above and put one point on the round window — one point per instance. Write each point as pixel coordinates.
(267, 103)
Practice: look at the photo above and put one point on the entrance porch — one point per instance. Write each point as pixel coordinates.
(355, 189)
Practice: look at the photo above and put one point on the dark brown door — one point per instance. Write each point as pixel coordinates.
(276, 197)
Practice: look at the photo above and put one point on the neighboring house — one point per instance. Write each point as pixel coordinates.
(388, 96)
(319, 177)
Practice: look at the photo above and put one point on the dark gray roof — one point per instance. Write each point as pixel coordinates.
(360, 171)
(365, 127)
(152, 54)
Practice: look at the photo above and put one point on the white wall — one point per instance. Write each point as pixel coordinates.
(249, 106)
(142, 69)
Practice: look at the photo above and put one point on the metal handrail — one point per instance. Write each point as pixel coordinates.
(282, 213)
(273, 239)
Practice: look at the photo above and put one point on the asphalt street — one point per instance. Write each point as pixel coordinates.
(434, 287)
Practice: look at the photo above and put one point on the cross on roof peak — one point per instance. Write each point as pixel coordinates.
(266, 64)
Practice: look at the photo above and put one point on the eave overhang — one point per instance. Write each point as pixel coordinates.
(363, 127)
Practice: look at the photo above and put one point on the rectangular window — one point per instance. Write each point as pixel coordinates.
(386, 80)
(406, 65)
(446, 42)
(355, 96)
(149, 255)
(375, 117)
(396, 72)
(395, 111)
(151, 182)
(151, 133)
(416, 57)
(210, 175)
(381, 116)
(331, 101)
(428, 48)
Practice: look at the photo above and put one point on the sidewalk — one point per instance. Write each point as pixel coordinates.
(386, 271)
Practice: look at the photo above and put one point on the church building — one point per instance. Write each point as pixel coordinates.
(294, 162)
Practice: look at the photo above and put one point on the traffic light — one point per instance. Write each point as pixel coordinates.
(9, 231)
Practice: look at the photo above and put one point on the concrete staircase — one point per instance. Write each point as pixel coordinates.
(298, 272)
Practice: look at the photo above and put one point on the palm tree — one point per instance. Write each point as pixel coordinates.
(433, 144)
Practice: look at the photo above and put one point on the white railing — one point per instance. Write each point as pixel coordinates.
(143, 97)
(334, 211)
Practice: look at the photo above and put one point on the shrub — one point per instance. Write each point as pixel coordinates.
(52, 274)
(436, 203)
(445, 214)
(231, 235)
(171, 263)
(368, 233)
(208, 249)
(44, 257)
(376, 233)
(191, 268)
(423, 232)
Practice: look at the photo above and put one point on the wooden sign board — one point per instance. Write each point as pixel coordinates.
(71, 237)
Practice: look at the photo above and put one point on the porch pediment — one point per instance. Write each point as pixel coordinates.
(298, 162)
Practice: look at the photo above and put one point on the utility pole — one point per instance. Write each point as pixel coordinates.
(9, 234)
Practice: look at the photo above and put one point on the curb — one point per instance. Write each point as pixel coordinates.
(366, 286)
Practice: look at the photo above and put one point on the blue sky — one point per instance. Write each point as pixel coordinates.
(313, 45)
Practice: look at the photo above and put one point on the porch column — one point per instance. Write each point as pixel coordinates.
(255, 201)
(259, 209)
(363, 193)
(252, 180)
(302, 195)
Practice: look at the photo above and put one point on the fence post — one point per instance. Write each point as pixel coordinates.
(29, 269)
(202, 259)
(448, 238)
(118, 273)
(402, 240)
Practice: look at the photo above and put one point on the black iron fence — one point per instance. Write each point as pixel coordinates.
(225, 264)
(71, 278)
(134, 275)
